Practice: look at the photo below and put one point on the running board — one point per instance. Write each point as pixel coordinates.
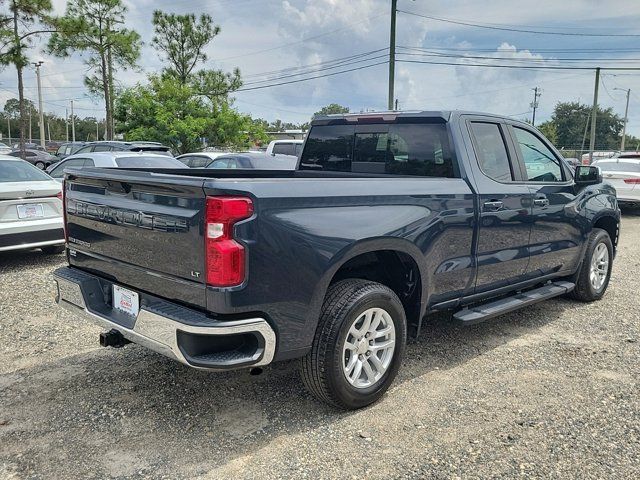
(480, 313)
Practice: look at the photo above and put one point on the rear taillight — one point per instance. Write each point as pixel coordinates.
(633, 181)
(62, 196)
(225, 258)
(59, 195)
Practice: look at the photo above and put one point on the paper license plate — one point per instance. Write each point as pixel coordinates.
(31, 210)
(126, 301)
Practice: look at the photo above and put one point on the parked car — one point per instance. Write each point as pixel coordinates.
(68, 148)
(113, 160)
(623, 173)
(254, 160)
(116, 146)
(38, 158)
(199, 159)
(285, 147)
(335, 262)
(30, 146)
(30, 208)
(4, 148)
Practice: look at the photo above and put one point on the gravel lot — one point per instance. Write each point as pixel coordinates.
(547, 392)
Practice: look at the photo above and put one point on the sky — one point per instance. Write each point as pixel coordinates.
(263, 36)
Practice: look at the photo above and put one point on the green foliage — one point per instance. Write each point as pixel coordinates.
(331, 109)
(549, 130)
(570, 119)
(19, 25)
(169, 111)
(92, 27)
(182, 38)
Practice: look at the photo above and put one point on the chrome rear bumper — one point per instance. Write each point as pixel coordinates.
(170, 329)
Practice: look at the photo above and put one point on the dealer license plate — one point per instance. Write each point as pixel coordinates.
(30, 210)
(126, 300)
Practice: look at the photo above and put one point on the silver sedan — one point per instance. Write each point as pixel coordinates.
(30, 208)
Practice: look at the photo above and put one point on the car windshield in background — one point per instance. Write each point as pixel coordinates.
(12, 171)
(140, 161)
(619, 166)
(400, 149)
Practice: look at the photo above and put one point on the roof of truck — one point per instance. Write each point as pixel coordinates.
(444, 115)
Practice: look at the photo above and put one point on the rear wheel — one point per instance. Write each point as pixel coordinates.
(40, 165)
(53, 249)
(593, 278)
(359, 344)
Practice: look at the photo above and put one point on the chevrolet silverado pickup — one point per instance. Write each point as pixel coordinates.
(388, 217)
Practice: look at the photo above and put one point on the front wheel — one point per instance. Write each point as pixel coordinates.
(594, 274)
(358, 346)
(40, 165)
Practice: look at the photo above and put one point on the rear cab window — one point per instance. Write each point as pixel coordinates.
(416, 149)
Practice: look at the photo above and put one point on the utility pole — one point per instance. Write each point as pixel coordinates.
(97, 130)
(30, 137)
(49, 130)
(9, 128)
(536, 94)
(38, 65)
(66, 123)
(592, 139)
(626, 118)
(392, 53)
(73, 124)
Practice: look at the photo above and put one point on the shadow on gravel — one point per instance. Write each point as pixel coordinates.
(19, 259)
(163, 415)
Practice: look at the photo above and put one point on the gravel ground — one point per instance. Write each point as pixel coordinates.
(547, 392)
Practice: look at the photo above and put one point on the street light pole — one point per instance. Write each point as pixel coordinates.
(37, 65)
(73, 124)
(592, 139)
(626, 117)
(392, 53)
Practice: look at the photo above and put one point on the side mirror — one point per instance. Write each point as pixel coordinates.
(587, 175)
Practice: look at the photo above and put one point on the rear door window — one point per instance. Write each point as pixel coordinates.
(492, 151)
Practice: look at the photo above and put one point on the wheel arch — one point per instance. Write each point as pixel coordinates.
(392, 262)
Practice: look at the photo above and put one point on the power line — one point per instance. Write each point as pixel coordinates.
(431, 53)
(317, 70)
(518, 30)
(525, 67)
(308, 78)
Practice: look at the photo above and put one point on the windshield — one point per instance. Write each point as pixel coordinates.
(12, 171)
(149, 162)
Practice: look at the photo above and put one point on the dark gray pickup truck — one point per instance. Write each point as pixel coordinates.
(388, 217)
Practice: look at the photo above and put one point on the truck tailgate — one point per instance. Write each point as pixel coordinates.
(138, 229)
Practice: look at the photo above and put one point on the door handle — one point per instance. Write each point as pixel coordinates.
(493, 206)
(541, 202)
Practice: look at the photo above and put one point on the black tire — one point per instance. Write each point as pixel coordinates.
(322, 368)
(53, 249)
(40, 165)
(585, 290)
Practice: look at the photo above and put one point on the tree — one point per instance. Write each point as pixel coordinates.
(331, 109)
(90, 27)
(548, 129)
(571, 122)
(168, 111)
(26, 19)
(182, 40)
